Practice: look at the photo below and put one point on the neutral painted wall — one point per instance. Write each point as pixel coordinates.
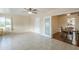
(42, 24)
(61, 21)
(21, 23)
(55, 23)
(50, 13)
(26, 23)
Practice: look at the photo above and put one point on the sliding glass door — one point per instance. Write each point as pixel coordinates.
(8, 24)
(2, 23)
(5, 23)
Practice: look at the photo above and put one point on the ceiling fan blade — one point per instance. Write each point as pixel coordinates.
(34, 9)
(34, 12)
(30, 9)
(25, 9)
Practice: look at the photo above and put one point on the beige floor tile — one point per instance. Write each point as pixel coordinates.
(32, 41)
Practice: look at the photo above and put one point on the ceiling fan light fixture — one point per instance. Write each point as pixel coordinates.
(29, 12)
(68, 14)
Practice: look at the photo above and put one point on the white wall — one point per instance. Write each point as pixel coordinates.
(50, 13)
(21, 23)
(26, 23)
(55, 24)
(41, 22)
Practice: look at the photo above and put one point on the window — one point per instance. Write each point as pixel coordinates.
(5, 23)
(2, 22)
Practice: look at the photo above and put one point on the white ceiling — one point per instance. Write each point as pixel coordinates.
(20, 11)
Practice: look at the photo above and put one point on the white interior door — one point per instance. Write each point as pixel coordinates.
(37, 25)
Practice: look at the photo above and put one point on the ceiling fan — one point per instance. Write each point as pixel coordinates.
(31, 10)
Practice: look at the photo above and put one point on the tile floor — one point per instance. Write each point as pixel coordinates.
(32, 41)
